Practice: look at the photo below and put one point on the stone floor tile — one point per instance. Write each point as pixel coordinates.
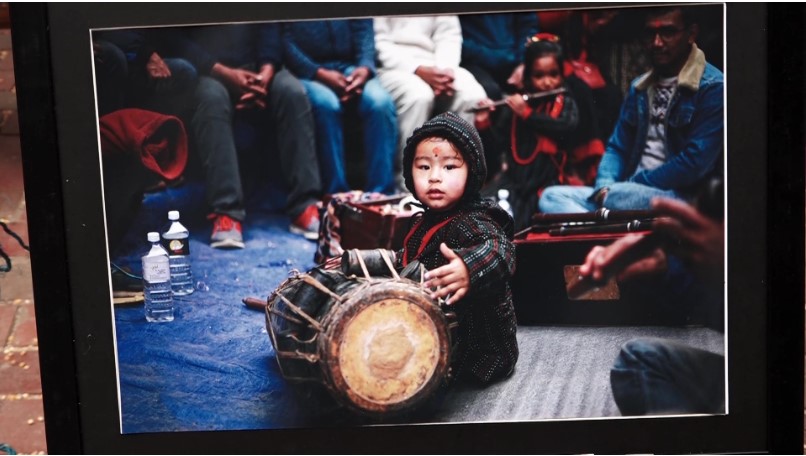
(8, 100)
(5, 41)
(16, 284)
(8, 313)
(11, 124)
(19, 372)
(6, 80)
(6, 60)
(11, 246)
(22, 424)
(24, 332)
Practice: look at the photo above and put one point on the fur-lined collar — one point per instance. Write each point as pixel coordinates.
(689, 76)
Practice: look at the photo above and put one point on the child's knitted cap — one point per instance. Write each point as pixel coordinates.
(464, 137)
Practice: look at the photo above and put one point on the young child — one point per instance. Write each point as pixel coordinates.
(464, 242)
(546, 140)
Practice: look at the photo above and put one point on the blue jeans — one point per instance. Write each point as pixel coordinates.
(559, 199)
(656, 376)
(379, 121)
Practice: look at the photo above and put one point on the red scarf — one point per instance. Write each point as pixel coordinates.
(545, 145)
(427, 237)
(552, 108)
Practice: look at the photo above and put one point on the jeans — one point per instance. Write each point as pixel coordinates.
(377, 112)
(559, 199)
(655, 376)
(210, 129)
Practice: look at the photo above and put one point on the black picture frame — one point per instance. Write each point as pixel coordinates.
(765, 245)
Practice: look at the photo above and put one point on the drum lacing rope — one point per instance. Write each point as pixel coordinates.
(363, 266)
(301, 312)
(388, 262)
(316, 284)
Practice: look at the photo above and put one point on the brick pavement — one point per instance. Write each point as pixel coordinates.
(22, 424)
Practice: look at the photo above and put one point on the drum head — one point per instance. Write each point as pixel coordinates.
(387, 347)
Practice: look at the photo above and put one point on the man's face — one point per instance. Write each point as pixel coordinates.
(668, 41)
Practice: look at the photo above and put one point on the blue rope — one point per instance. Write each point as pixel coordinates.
(7, 449)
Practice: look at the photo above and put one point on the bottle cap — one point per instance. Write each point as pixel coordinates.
(173, 215)
(503, 193)
(153, 236)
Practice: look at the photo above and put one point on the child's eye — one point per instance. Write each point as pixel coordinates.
(450, 167)
(423, 167)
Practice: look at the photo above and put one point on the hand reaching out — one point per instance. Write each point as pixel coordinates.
(452, 279)
(600, 260)
(683, 231)
(696, 239)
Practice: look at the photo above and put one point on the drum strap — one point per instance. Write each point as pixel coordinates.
(428, 235)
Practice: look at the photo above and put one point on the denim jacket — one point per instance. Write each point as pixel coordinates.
(694, 131)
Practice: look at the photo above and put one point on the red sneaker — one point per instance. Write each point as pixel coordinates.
(307, 224)
(226, 233)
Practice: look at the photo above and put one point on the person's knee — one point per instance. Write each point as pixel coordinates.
(212, 95)
(418, 97)
(554, 199)
(285, 89)
(111, 59)
(641, 354)
(377, 101)
(182, 70)
(324, 101)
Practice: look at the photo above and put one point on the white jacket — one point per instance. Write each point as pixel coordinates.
(404, 43)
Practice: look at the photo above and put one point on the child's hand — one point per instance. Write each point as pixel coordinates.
(452, 279)
(518, 104)
(482, 117)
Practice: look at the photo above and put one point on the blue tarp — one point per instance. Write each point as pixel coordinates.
(213, 367)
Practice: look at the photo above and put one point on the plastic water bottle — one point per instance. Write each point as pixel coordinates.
(503, 201)
(159, 301)
(176, 242)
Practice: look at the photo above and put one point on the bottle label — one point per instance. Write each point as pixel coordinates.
(176, 246)
(156, 271)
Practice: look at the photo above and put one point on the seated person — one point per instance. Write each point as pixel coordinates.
(548, 140)
(242, 82)
(655, 376)
(492, 51)
(335, 61)
(419, 66)
(131, 67)
(465, 243)
(669, 136)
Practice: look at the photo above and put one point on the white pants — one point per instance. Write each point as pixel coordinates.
(415, 102)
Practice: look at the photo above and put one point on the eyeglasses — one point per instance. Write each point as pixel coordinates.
(666, 34)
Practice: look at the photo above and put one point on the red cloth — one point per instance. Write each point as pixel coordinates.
(158, 139)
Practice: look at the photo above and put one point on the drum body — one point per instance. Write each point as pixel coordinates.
(379, 345)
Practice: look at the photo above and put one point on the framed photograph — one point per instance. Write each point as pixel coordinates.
(129, 111)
